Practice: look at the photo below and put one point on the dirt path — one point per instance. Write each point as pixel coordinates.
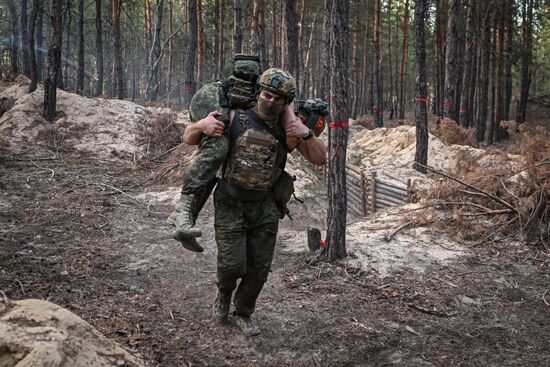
(67, 234)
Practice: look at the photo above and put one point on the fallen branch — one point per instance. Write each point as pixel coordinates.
(119, 191)
(389, 236)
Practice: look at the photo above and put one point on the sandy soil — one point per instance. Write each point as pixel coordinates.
(88, 232)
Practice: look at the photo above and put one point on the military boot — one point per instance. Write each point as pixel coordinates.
(220, 308)
(183, 218)
(246, 324)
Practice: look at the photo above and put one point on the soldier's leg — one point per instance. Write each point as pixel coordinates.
(231, 242)
(264, 220)
(198, 182)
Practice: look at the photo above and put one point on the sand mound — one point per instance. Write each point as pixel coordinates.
(39, 333)
(103, 127)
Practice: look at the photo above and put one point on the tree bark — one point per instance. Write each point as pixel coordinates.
(25, 40)
(255, 28)
(526, 59)
(54, 62)
(153, 82)
(221, 47)
(200, 43)
(81, 65)
(421, 113)
(377, 73)
(118, 68)
(40, 41)
(339, 130)
(37, 4)
(291, 52)
(481, 121)
(99, 48)
(14, 45)
(440, 51)
(325, 82)
(449, 107)
(190, 86)
(404, 59)
(464, 112)
(237, 27)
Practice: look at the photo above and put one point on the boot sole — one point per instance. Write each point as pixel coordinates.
(189, 243)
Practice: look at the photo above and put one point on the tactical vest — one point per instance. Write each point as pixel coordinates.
(257, 157)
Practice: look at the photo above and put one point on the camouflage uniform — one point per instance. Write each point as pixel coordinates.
(246, 229)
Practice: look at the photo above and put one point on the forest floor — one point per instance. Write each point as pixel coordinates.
(86, 233)
(71, 239)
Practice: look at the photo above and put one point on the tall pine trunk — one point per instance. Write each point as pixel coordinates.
(81, 65)
(32, 55)
(377, 73)
(14, 45)
(99, 48)
(25, 40)
(339, 130)
(481, 120)
(526, 59)
(237, 27)
(190, 86)
(403, 67)
(153, 82)
(200, 43)
(449, 107)
(291, 42)
(117, 49)
(54, 62)
(421, 92)
(464, 112)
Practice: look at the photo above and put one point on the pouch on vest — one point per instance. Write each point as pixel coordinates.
(282, 191)
(253, 161)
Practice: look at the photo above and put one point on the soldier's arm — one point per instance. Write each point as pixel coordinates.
(299, 136)
(208, 125)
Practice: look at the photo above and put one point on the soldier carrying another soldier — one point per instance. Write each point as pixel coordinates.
(252, 145)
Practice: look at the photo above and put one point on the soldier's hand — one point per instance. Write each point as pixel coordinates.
(210, 125)
(295, 127)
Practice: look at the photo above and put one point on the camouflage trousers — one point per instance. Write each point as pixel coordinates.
(199, 178)
(245, 235)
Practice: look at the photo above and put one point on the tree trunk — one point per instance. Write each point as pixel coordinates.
(148, 29)
(274, 36)
(464, 113)
(66, 22)
(117, 48)
(190, 86)
(404, 59)
(171, 47)
(237, 27)
(355, 67)
(254, 29)
(377, 109)
(80, 75)
(493, 74)
(262, 38)
(291, 52)
(14, 44)
(200, 44)
(54, 62)
(99, 48)
(40, 41)
(25, 40)
(221, 47)
(325, 82)
(390, 63)
(440, 51)
(508, 60)
(449, 107)
(153, 82)
(526, 59)
(421, 113)
(37, 4)
(338, 134)
(481, 121)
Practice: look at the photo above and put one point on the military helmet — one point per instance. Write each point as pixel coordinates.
(206, 100)
(279, 82)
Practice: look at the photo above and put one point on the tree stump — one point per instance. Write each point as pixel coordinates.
(313, 239)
